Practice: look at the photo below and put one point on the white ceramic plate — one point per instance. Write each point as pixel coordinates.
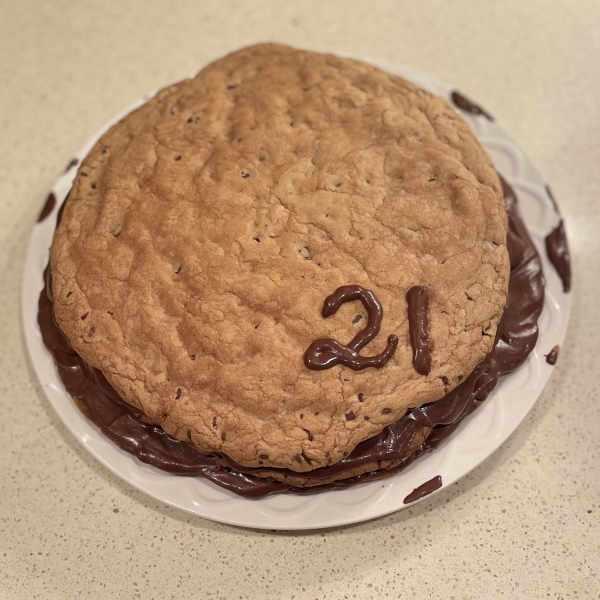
(476, 438)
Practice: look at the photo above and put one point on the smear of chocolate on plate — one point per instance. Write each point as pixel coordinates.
(72, 163)
(557, 248)
(469, 106)
(48, 206)
(424, 490)
(552, 356)
(551, 196)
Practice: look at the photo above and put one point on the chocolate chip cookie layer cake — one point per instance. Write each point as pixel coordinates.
(287, 274)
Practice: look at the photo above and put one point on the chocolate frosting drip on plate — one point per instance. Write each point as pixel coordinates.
(516, 336)
(424, 490)
(72, 163)
(552, 356)
(48, 206)
(469, 106)
(558, 253)
(552, 199)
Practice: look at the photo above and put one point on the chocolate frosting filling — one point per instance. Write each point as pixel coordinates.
(516, 336)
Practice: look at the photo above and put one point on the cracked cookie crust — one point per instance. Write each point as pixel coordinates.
(205, 229)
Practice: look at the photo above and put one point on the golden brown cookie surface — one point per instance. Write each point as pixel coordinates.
(205, 230)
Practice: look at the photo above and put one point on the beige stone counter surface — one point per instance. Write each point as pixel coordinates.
(524, 524)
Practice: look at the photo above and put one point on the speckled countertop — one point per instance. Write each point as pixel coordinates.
(524, 524)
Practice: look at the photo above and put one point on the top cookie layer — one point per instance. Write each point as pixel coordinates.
(205, 230)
